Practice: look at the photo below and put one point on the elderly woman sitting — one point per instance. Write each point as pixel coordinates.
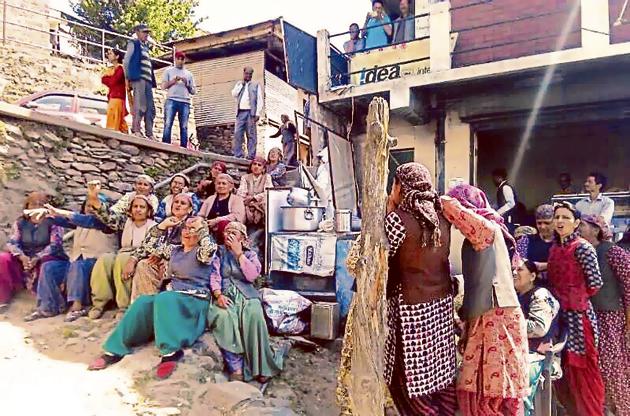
(275, 166)
(107, 280)
(143, 186)
(179, 184)
(174, 318)
(216, 169)
(144, 265)
(223, 205)
(252, 190)
(236, 316)
(35, 249)
(541, 311)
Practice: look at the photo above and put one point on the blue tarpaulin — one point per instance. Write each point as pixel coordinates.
(301, 53)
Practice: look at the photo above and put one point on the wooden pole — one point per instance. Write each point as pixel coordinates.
(369, 328)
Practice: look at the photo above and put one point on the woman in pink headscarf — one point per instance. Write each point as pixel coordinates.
(494, 375)
(252, 190)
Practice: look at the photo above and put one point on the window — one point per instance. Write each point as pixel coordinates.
(55, 102)
(92, 105)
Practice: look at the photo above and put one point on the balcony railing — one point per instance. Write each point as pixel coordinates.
(69, 37)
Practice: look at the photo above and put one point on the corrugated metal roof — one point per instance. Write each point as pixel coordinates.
(280, 98)
(215, 79)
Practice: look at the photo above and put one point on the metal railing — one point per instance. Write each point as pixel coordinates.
(83, 41)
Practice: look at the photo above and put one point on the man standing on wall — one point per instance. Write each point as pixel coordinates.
(506, 198)
(595, 203)
(139, 72)
(249, 104)
(180, 85)
(405, 25)
(355, 44)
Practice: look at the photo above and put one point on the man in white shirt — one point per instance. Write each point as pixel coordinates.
(249, 104)
(596, 203)
(506, 198)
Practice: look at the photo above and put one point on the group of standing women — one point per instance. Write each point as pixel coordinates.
(507, 317)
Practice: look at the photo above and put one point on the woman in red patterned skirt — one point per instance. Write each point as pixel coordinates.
(612, 307)
(574, 277)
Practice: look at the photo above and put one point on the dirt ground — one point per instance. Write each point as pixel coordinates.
(43, 371)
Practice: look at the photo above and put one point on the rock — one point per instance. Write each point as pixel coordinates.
(78, 141)
(136, 160)
(262, 411)
(13, 130)
(41, 162)
(66, 156)
(229, 395)
(96, 144)
(85, 167)
(13, 151)
(50, 137)
(129, 149)
(47, 145)
(33, 134)
(148, 161)
(108, 166)
(90, 177)
(56, 163)
(34, 154)
(113, 177)
(121, 187)
(114, 196)
(113, 143)
(134, 169)
(72, 172)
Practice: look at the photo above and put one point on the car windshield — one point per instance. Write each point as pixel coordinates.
(92, 105)
(55, 102)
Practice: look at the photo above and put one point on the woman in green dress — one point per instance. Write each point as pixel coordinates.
(236, 315)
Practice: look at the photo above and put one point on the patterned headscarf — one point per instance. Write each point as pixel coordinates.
(544, 212)
(475, 199)
(258, 159)
(147, 179)
(420, 200)
(599, 222)
(240, 227)
(524, 230)
(150, 207)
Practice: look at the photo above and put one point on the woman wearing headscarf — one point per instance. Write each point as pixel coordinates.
(179, 184)
(34, 249)
(612, 307)
(175, 318)
(536, 247)
(143, 186)
(574, 276)
(217, 168)
(493, 377)
(91, 239)
(236, 316)
(276, 167)
(541, 311)
(252, 190)
(107, 280)
(144, 267)
(420, 354)
(223, 205)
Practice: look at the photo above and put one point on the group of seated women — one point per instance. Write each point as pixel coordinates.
(157, 263)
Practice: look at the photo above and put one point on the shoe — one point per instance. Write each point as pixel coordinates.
(104, 361)
(95, 313)
(74, 315)
(36, 315)
(168, 365)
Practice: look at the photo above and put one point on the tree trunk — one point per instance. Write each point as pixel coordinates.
(368, 327)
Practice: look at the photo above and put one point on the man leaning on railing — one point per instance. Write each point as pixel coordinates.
(139, 71)
(405, 25)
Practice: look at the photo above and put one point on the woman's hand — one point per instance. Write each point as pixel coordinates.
(234, 245)
(27, 263)
(55, 212)
(129, 269)
(463, 340)
(154, 260)
(169, 222)
(223, 302)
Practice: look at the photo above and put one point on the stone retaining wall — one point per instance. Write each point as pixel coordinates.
(61, 160)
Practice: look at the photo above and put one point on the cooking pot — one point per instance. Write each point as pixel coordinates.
(302, 218)
(299, 197)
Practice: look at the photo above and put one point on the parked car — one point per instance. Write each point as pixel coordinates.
(81, 107)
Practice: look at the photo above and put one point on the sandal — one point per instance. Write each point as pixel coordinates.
(104, 361)
(74, 315)
(36, 315)
(168, 364)
(95, 313)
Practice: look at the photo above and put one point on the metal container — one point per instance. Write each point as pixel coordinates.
(302, 218)
(299, 197)
(343, 220)
(325, 320)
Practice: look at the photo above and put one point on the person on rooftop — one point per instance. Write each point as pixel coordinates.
(181, 86)
(356, 43)
(405, 25)
(249, 104)
(377, 28)
(139, 72)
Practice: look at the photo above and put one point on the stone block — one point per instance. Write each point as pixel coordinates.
(113, 143)
(66, 156)
(134, 169)
(56, 163)
(129, 149)
(121, 187)
(85, 167)
(108, 166)
(52, 138)
(228, 396)
(33, 134)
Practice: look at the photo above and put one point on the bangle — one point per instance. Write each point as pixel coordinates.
(217, 294)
